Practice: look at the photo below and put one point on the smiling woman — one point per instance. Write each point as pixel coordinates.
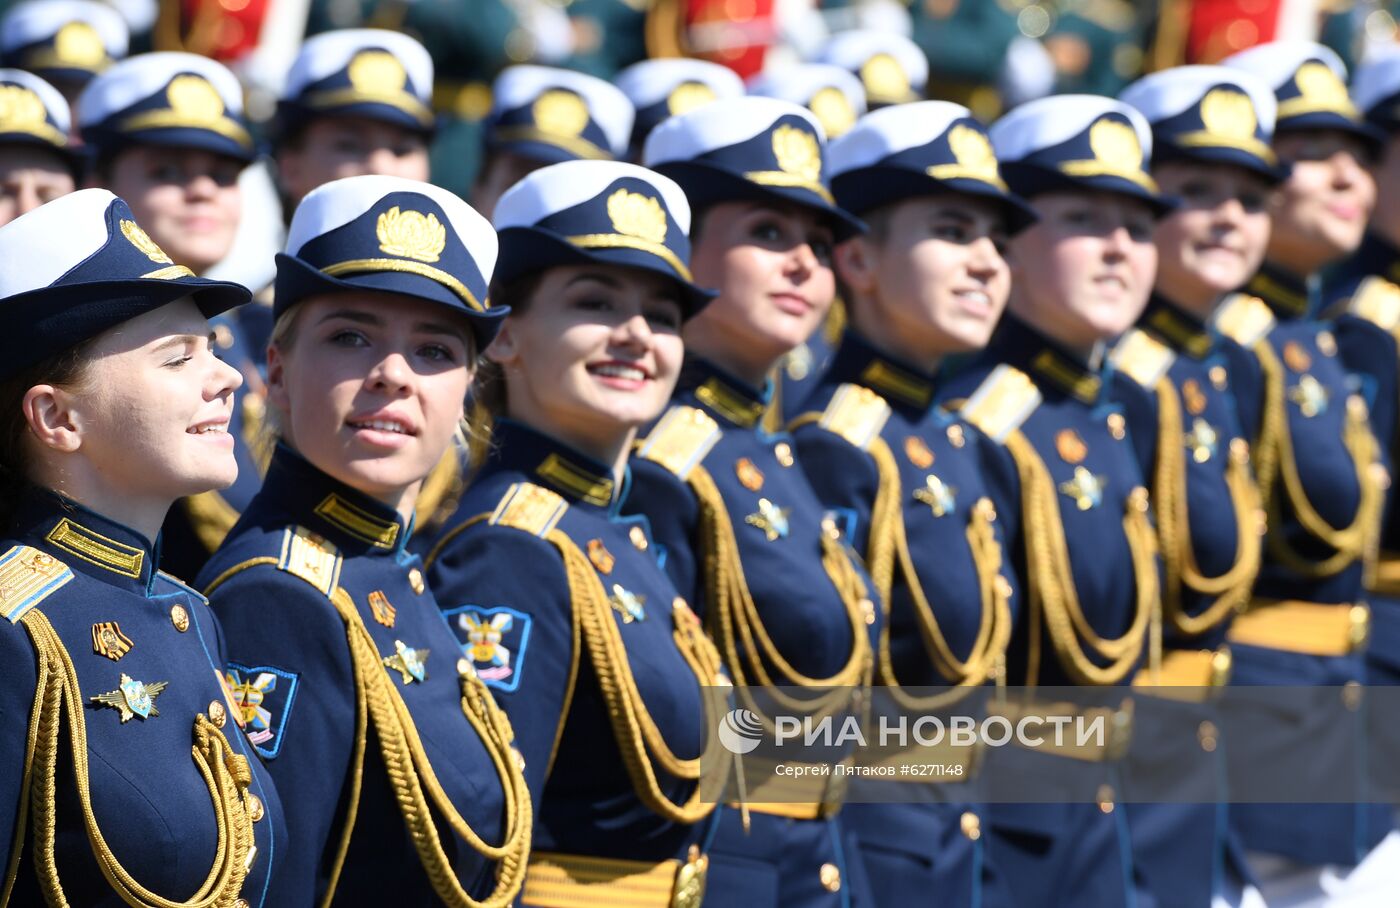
(113, 405)
(381, 305)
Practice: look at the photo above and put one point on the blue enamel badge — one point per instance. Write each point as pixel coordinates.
(262, 697)
(495, 640)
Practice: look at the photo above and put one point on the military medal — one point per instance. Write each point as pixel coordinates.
(383, 612)
(108, 640)
(602, 559)
(132, 698)
(1117, 426)
(1327, 343)
(783, 451)
(1193, 396)
(938, 495)
(956, 437)
(918, 452)
(1070, 446)
(1296, 357)
(415, 581)
(1310, 396)
(627, 604)
(408, 662)
(1202, 440)
(1219, 378)
(1085, 489)
(750, 476)
(638, 536)
(771, 519)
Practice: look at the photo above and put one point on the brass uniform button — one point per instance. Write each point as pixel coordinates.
(180, 618)
(415, 580)
(971, 826)
(867, 609)
(255, 808)
(1117, 426)
(1219, 378)
(218, 714)
(465, 669)
(1208, 735)
(956, 437)
(638, 537)
(831, 878)
(242, 903)
(1351, 695)
(783, 451)
(1105, 798)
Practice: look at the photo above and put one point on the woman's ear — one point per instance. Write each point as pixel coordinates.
(277, 379)
(855, 266)
(505, 349)
(52, 418)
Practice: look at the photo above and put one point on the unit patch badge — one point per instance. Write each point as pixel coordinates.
(262, 697)
(495, 640)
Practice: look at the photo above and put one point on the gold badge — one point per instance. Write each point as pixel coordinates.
(1296, 357)
(938, 495)
(132, 698)
(956, 437)
(634, 214)
(771, 519)
(833, 110)
(1326, 343)
(783, 451)
(975, 158)
(381, 608)
(1116, 146)
(1117, 426)
(627, 604)
(1228, 113)
(108, 640)
(1319, 88)
(21, 110)
(560, 112)
(1071, 446)
(689, 889)
(1202, 441)
(1085, 489)
(79, 45)
(376, 72)
(194, 99)
(180, 618)
(687, 96)
(411, 235)
(1219, 377)
(797, 153)
(918, 452)
(638, 537)
(798, 362)
(411, 663)
(415, 581)
(602, 559)
(1193, 395)
(750, 476)
(1310, 396)
(884, 78)
(139, 238)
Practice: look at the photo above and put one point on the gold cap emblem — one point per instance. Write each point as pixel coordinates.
(1116, 146)
(833, 110)
(634, 214)
(20, 110)
(687, 96)
(411, 235)
(78, 44)
(884, 78)
(560, 112)
(139, 238)
(1229, 113)
(194, 99)
(376, 72)
(797, 152)
(1321, 88)
(974, 152)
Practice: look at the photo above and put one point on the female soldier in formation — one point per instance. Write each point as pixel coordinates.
(126, 780)
(560, 602)
(352, 686)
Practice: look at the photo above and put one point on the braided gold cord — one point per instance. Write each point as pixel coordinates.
(738, 628)
(1052, 592)
(638, 738)
(1273, 423)
(1231, 588)
(225, 773)
(414, 782)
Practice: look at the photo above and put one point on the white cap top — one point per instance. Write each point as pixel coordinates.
(1277, 61)
(39, 20)
(891, 130)
(518, 86)
(1377, 80)
(41, 246)
(325, 54)
(833, 94)
(651, 81)
(1047, 122)
(560, 187)
(137, 78)
(719, 125)
(54, 103)
(857, 51)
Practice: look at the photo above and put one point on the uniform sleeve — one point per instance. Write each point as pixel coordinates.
(845, 479)
(289, 671)
(673, 513)
(1369, 352)
(506, 597)
(19, 672)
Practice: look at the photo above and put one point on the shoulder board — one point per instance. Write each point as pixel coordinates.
(681, 440)
(27, 577)
(855, 413)
(1005, 399)
(529, 507)
(311, 557)
(1244, 319)
(1142, 357)
(171, 578)
(1377, 301)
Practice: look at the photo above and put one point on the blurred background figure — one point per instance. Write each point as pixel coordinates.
(64, 42)
(892, 69)
(833, 95)
(659, 89)
(37, 165)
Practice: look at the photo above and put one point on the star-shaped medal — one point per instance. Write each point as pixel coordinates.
(1202, 440)
(938, 495)
(1085, 489)
(771, 519)
(409, 662)
(627, 604)
(133, 698)
(1310, 396)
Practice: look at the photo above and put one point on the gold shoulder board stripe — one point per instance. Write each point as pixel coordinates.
(531, 508)
(681, 440)
(310, 557)
(358, 522)
(1142, 357)
(27, 577)
(1244, 319)
(857, 414)
(97, 549)
(1005, 399)
(1377, 300)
